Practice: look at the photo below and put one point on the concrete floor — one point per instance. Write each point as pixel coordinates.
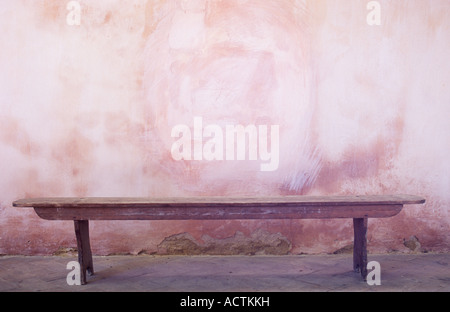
(305, 273)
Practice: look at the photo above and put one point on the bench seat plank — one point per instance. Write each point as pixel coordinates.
(218, 208)
(218, 201)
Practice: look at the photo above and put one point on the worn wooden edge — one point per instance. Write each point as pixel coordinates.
(218, 201)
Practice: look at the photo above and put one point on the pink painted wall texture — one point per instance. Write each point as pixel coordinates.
(90, 92)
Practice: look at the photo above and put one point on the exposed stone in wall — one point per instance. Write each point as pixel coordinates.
(348, 249)
(260, 242)
(413, 243)
(66, 252)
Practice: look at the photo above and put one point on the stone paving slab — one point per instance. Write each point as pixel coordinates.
(295, 273)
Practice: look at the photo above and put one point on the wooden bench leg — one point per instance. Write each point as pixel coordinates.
(84, 249)
(360, 246)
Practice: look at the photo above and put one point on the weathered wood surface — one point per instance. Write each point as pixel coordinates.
(84, 249)
(218, 208)
(218, 201)
(360, 246)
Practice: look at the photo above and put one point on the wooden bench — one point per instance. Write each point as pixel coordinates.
(81, 210)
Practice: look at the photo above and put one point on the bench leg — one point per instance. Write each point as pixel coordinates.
(84, 249)
(360, 246)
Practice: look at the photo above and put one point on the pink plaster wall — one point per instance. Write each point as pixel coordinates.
(88, 110)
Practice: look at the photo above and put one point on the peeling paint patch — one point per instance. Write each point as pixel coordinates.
(260, 242)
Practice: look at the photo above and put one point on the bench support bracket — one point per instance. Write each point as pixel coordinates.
(84, 249)
(360, 246)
